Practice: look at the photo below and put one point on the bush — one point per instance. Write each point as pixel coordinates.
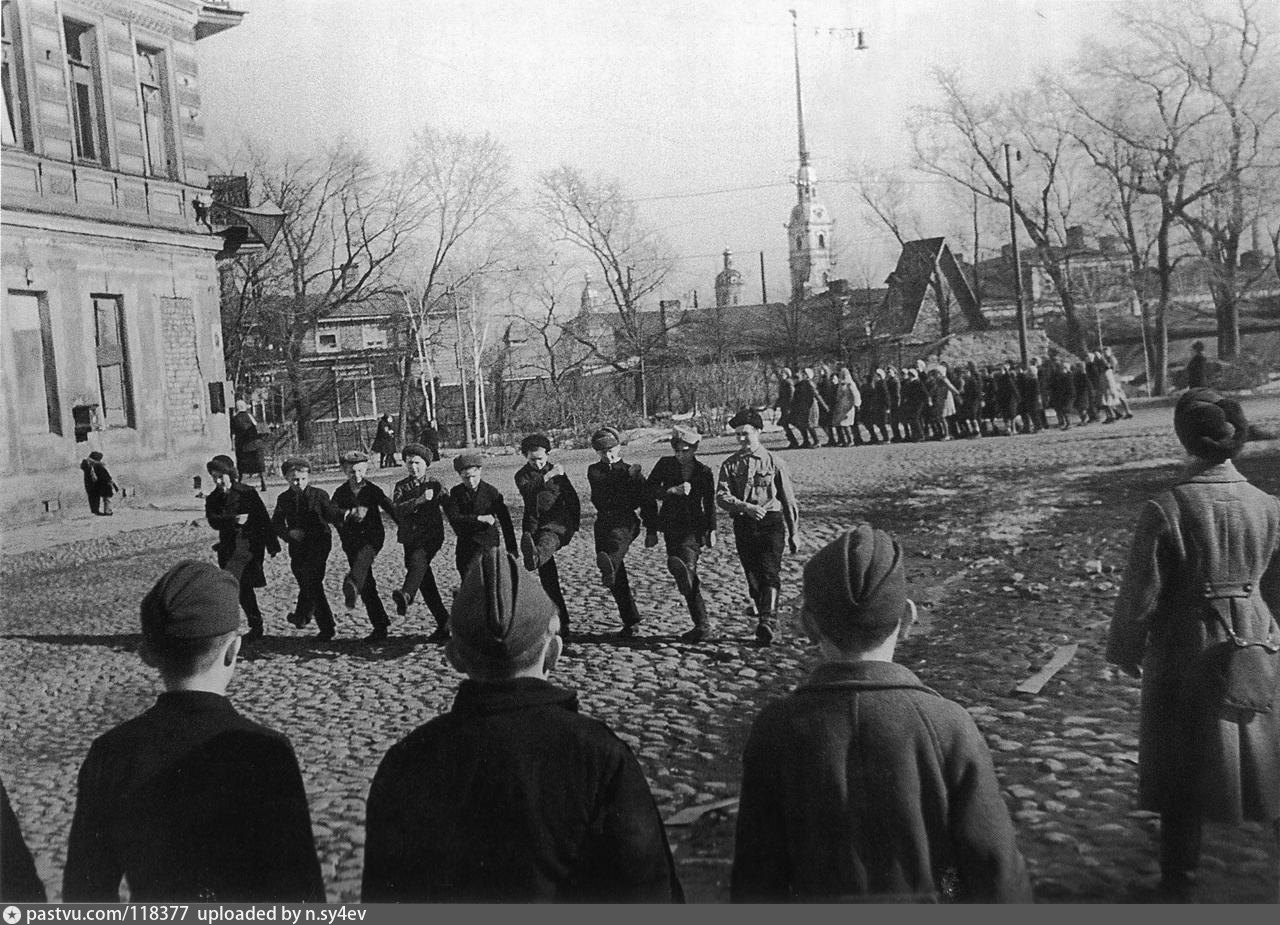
(1244, 372)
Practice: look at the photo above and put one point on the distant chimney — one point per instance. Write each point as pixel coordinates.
(1075, 237)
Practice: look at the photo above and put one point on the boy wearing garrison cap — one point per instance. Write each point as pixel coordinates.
(552, 513)
(685, 489)
(512, 795)
(362, 536)
(302, 517)
(617, 490)
(863, 783)
(418, 502)
(477, 513)
(245, 535)
(755, 487)
(190, 801)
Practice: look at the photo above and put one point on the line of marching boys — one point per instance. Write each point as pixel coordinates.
(678, 500)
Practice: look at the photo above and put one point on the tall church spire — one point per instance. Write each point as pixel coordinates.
(809, 230)
(795, 47)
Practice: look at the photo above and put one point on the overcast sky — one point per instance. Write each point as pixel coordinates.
(673, 98)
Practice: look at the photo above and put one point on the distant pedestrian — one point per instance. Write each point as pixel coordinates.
(1196, 619)
(622, 502)
(1062, 394)
(685, 489)
(302, 519)
(245, 535)
(864, 784)
(552, 515)
(786, 393)
(754, 486)
(248, 442)
(1195, 366)
(844, 414)
(431, 439)
(19, 880)
(190, 801)
(361, 533)
(419, 503)
(807, 406)
(384, 442)
(477, 512)
(99, 486)
(512, 796)
(1082, 393)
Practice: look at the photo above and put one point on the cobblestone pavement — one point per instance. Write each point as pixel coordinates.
(1014, 546)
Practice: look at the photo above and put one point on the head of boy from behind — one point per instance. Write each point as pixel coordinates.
(470, 469)
(297, 472)
(190, 627)
(855, 596)
(416, 460)
(536, 448)
(608, 445)
(355, 465)
(503, 624)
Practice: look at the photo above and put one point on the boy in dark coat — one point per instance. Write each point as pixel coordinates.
(863, 783)
(512, 796)
(685, 491)
(361, 533)
(191, 801)
(617, 491)
(418, 502)
(245, 535)
(477, 513)
(302, 517)
(1062, 395)
(552, 513)
(98, 484)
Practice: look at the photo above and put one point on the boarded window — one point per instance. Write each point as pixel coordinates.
(35, 375)
(85, 79)
(157, 126)
(115, 382)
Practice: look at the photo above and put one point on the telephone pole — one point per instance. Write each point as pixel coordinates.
(1017, 259)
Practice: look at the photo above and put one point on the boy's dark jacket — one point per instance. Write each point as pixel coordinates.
(549, 504)
(310, 511)
(369, 531)
(513, 796)
(695, 513)
(864, 783)
(421, 523)
(462, 506)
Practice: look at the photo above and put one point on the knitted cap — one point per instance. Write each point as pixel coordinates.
(194, 600)
(1210, 425)
(500, 612)
(856, 582)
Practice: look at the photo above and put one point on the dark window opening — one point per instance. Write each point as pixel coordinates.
(217, 398)
(87, 115)
(34, 370)
(17, 114)
(115, 383)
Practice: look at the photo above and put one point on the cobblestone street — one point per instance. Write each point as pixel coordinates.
(1015, 546)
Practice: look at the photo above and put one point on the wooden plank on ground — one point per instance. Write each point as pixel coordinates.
(1037, 681)
(691, 814)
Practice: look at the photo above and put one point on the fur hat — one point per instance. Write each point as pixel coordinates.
(222, 464)
(606, 438)
(295, 462)
(532, 442)
(467, 461)
(855, 585)
(193, 600)
(1210, 425)
(500, 613)
(418, 450)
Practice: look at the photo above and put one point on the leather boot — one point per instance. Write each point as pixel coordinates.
(765, 625)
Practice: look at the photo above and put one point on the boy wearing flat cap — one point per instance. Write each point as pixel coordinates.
(552, 513)
(685, 489)
(418, 502)
(617, 490)
(512, 796)
(477, 513)
(362, 535)
(190, 801)
(245, 535)
(754, 486)
(302, 517)
(864, 784)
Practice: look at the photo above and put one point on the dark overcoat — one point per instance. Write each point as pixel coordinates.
(247, 543)
(549, 504)
(1213, 527)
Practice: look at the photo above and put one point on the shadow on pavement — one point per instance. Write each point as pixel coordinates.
(123, 642)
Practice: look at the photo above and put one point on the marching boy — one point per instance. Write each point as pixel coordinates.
(755, 487)
(362, 535)
(417, 500)
(302, 517)
(552, 513)
(863, 783)
(477, 512)
(685, 490)
(617, 491)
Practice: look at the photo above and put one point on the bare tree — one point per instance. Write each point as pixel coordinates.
(594, 215)
(347, 220)
(961, 139)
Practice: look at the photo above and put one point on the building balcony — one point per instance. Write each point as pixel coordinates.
(81, 190)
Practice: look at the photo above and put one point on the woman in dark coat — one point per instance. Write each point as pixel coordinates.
(384, 442)
(806, 406)
(98, 484)
(1202, 586)
(786, 389)
(827, 388)
(248, 444)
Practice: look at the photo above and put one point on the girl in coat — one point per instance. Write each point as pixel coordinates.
(844, 416)
(1199, 602)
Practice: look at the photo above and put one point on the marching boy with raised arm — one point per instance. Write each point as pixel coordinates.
(552, 513)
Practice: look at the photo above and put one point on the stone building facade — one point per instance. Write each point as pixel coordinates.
(111, 327)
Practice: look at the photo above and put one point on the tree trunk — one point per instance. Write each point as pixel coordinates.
(1227, 311)
(301, 404)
